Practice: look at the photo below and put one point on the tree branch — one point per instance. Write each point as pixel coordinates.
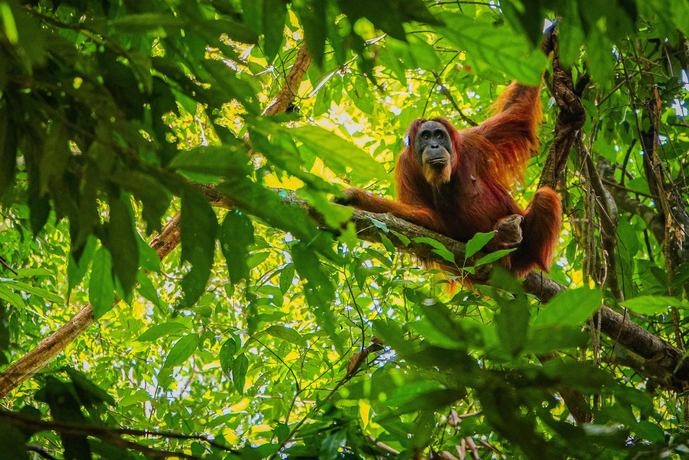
(570, 119)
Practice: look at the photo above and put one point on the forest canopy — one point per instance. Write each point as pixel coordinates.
(177, 278)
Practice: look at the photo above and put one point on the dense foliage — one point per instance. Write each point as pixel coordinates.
(275, 330)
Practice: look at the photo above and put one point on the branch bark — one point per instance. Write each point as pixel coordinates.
(570, 119)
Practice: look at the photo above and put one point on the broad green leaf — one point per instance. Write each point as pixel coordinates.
(213, 161)
(235, 30)
(477, 242)
(77, 270)
(146, 21)
(423, 54)
(431, 400)
(37, 291)
(341, 156)
(598, 51)
(492, 48)
(268, 206)
(285, 333)
(89, 393)
(286, 278)
(236, 234)
(389, 15)
(11, 297)
(161, 330)
(150, 191)
(652, 304)
(226, 355)
(513, 323)
(181, 351)
(239, 368)
(101, 285)
(122, 243)
(318, 290)
(572, 307)
(554, 337)
(392, 334)
(438, 248)
(146, 288)
(253, 14)
(680, 15)
(493, 256)
(55, 156)
(198, 227)
(8, 150)
(512, 320)
(312, 17)
(13, 441)
(274, 16)
(333, 444)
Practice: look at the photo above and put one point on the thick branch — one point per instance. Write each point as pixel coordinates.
(289, 90)
(570, 119)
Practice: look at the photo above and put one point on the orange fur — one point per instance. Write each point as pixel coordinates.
(486, 162)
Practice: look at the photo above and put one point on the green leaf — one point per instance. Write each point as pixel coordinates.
(653, 304)
(236, 234)
(161, 330)
(8, 150)
(493, 256)
(89, 393)
(512, 320)
(198, 227)
(226, 355)
(13, 442)
(213, 161)
(101, 285)
(431, 400)
(438, 248)
(253, 14)
(11, 297)
(181, 351)
(268, 206)
(286, 278)
(570, 308)
(55, 156)
(285, 333)
(235, 30)
(274, 16)
(333, 444)
(477, 242)
(77, 270)
(146, 21)
(491, 48)
(122, 243)
(239, 369)
(152, 194)
(341, 156)
(147, 289)
(680, 16)
(312, 18)
(392, 334)
(318, 289)
(37, 291)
